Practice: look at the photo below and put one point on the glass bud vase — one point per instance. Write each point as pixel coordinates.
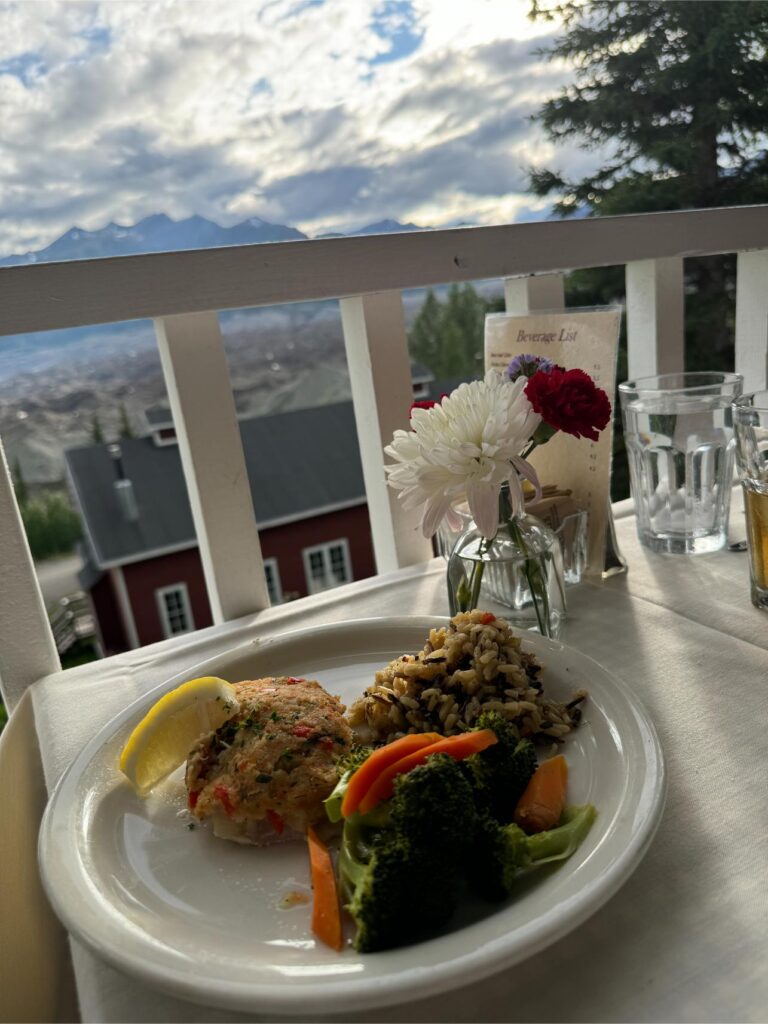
(521, 568)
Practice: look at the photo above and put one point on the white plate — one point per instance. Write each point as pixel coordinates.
(202, 918)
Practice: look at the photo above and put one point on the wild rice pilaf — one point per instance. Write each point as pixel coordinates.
(473, 664)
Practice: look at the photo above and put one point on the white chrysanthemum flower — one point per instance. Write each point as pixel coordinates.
(465, 448)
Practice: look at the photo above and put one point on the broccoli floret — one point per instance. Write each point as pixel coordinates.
(402, 865)
(499, 774)
(501, 853)
(433, 805)
(346, 766)
(399, 894)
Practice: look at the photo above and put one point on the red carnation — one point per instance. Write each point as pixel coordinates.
(569, 400)
(426, 403)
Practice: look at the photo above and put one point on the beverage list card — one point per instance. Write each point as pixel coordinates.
(575, 339)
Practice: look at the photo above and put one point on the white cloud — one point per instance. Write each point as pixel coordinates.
(296, 112)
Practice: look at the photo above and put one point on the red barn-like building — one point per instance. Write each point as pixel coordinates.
(142, 566)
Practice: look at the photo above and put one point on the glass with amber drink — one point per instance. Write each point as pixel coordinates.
(750, 426)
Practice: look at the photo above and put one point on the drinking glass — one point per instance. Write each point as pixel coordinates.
(750, 425)
(573, 534)
(678, 432)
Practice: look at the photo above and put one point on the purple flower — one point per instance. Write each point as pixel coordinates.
(526, 366)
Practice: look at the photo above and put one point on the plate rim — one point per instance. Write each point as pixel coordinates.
(350, 994)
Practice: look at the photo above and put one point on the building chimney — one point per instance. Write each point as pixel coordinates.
(126, 499)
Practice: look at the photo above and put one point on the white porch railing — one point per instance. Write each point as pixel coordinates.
(184, 291)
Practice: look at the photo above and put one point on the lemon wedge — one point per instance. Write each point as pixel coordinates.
(166, 734)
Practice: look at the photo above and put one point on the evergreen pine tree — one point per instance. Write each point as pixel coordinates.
(467, 310)
(19, 483)
(675, 92)
(97, 434)
(453, 350)
(51, 524)
(424, 337)
(675, 89)
(126, 430)
(448, 337)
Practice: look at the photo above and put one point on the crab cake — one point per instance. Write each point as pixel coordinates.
(264, 774)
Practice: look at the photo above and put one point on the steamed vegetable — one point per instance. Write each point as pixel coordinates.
(499, 775)
(502, 853)
(402, 866)
(457, 747)
(346, 767)
(379, 760)
(542, 803)
(438, 820)
(326, 913)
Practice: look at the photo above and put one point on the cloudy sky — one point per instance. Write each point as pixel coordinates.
(323, 115)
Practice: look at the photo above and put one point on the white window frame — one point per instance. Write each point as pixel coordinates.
(270, 564)
(325, 549)
(162, 607)
(164, 442)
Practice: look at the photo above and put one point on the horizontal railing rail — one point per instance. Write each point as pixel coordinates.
(48, 296)
(183, 293)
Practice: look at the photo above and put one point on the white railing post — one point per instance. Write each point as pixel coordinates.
(200, 393)
(655, 317)
(752, 319)
(382, 393)
(27, 647)
(534, 294)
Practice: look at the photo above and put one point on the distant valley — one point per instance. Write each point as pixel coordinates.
(52, 385)
(276, 362)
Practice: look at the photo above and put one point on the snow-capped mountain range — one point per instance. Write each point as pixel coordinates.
(158, 233)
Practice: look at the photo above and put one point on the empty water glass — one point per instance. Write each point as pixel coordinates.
(678, 433)
(573, 534)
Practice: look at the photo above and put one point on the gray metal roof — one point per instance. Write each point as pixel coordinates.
(298, 462)
(159, 416)
(420, 374)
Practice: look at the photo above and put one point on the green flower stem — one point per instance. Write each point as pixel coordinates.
(536, 582)
(477, 572)
(468, 594)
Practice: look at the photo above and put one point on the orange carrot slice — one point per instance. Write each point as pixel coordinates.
(457, 747)
(543, 800)
(380, 759)
(326, 913)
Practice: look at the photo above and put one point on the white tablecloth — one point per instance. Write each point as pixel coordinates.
(685, 938)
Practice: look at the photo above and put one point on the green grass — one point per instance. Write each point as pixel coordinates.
(80, 653)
